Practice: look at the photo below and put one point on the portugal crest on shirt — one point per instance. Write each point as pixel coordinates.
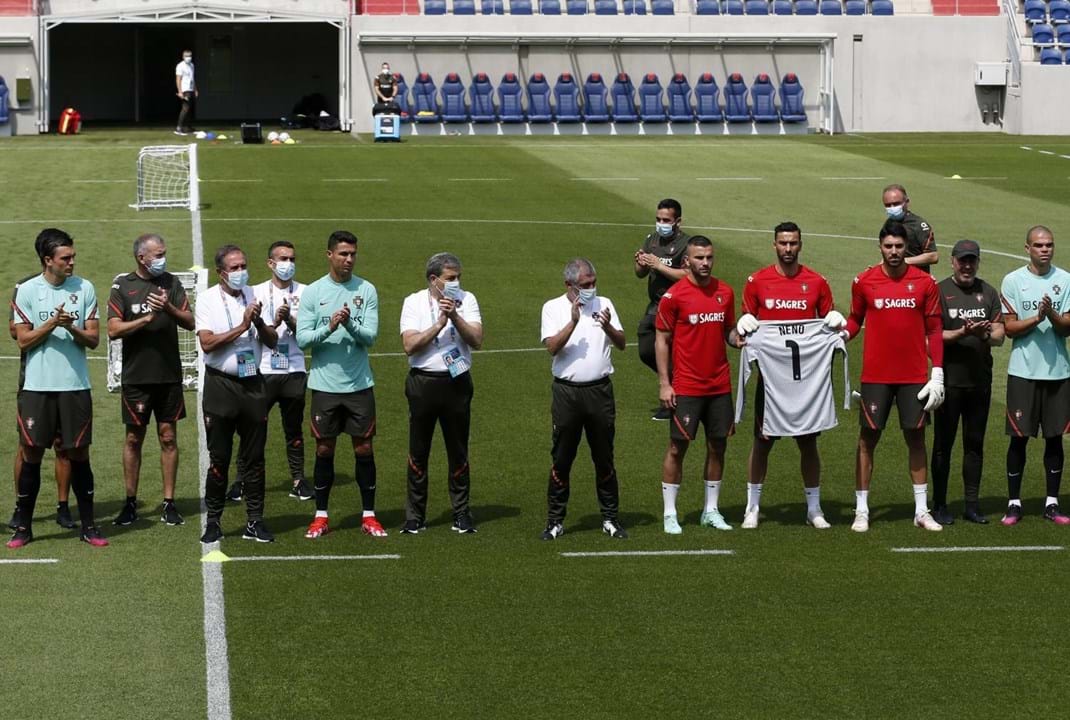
(878, 303)
(1054, 288)
(358, 302)
(873, 408)
(720, 300)
(74, 297)
(769, 302)
(910, 287)
(953, 312)
(141, 407)
(804, 287)
(30, 423)
(693, 318)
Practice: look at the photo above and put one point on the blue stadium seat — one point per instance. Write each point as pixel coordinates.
(708, 7)
(735, 99)
(464, 7)
(1036, 11)
(549, 7)
(762, 96)
(854, 7)
(680, 99)
(510, 106)
(567, 99)
(756, 7)
(493, 7)
(434, 7)
(605, 7)
(733, 7)
(806, 7)
(881, 7)
(1059, 11)
(782, 7)
(792, 109)
(425, 99)
(5, 113)
(453, 108)
(623, 92)
(662, 7)
(576, 7)
(1062, 35)
(1051, 56)
(831, 7)
(539, 110)
(651, 99)
(595, 109)
(402, 98)
(634, 7)
(520, 7)
(1043, 34)
(707, 104)
(481, 99)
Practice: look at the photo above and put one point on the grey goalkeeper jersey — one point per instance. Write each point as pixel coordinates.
(795, 359)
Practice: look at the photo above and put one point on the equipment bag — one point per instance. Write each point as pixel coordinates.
(70, 122)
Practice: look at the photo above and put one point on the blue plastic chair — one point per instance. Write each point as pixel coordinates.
(881, 8)
(806, 7)
(733, 7)
(452, 91)
(623, 92)
(464, 7)
(831, 7)
(756, 7)
(651, 99)
(605, 7)
(549, 7)
(1043, 34)
(762, 96)
(1036, 11)
(539, 109)
(5, 112)
(708, 7)
(481, 99)
(680, 109)
(662, 7)
(1059, 11)
(782, 7)
(792, 109)
(425, 100)
(576, 7)
(595, 108)
(520, 7)
(1051, 56)
(493, 7)
(510, 106)
(854, 7)
(634, 7)
(434, 7)
(567, 99)
(735, 100)
(707, 103)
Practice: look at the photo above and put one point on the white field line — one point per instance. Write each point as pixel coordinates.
(1025, 147)
(234, 180)
(103, 182)
(357, 180)
(1065, 157)
(731, 179)
(29, 561)
(606, 179)
(982, 177)
(1045, 152)
(646, 553)
(854, 178)
(980, 548)
(480, 179)
(308, 558)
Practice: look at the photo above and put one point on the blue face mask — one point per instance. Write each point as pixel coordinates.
(586, 295)
(451, 289)
(285, 269)
(237, 279)
(664, 229)
(157, 267)
(895, 212)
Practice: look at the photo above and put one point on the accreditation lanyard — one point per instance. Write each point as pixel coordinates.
(271, 299)
(433, 307)
(226, 309)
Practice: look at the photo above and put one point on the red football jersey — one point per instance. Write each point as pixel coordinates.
(900, 314)
(698, 318)
(768, 295)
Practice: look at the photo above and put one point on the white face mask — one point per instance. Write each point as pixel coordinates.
(386, 71)
(586, 295)
(451, 289)
(237, 279)
(285, 269)
(157, 266)
(664, 229)
(895, 211)
(187, 58)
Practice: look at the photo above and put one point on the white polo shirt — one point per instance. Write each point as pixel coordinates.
(271, 298)
(219, 312)
(184, 70)
(420, 312)
(585, 357)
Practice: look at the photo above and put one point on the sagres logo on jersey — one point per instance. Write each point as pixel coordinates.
(967, 313)
(703, 318)
(894, 303)
(778, 304)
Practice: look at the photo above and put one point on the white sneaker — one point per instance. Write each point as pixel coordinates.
(817, 520)
(925, 520)
(750, 518)
(861, 523)
(672, 525)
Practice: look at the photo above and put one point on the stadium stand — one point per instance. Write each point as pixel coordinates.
(756, 7)
(662, 7)
(1059, 11)
(403, 97)
(567, 99)
(576, 7)
(510, 105)
(708, 105)
(708, 7)
(539, 108)
(1043, 35)
(854, 7)
(634, 7)
(594, 100)
(481, 99)
(1051, 56)
(623, 92)
(881, 7)
(453, 108)
(680, 100)
(806, 7)
(762, 97)
(605, 7)
(425, 100)
(732, 7)
(782, 7)
(651, 99)
(549, 7)
(791, 100)
(831, 7)
(464, 7)
(1036, 11)
(735, 100)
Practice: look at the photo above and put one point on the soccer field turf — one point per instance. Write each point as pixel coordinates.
(793, 623)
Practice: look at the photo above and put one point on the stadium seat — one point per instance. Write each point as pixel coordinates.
(735, 99)
(1062, 34)
(425, 99)
(634, 7)
(510, 106)
(594, 100)
(1036, 11)
(576, 7)
(806, 7)
(881, 7)
(434, 7)
(1051, 56)
(5, 113)
(520, 7)
(792, 109)
(831, 7)
(854, 7)
(680, 100)
(464, 7)
(707, 103)
(539, 110)
(481, 99)
(1043, 35)
(762, 96)
(651, 99)
(756, 7)
(567, 99)
(549, 7)
(623, 92)
(1059, 11)
(493, 7)
(733, 7)
(662, 7)
(782, 7)
(402, 97)
(708, 7)
(452, 91)
(605, 7)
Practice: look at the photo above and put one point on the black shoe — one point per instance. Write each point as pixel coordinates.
(256, 531)
(301, 490)
(614, 529)
(413, 527)
(943, 516)
(664, 414)
(235, 492)
(973, 514)
(463, 524)
(127, 516)
(13, 523)
(92, 536)
(170, 515)
(553, 531)
(63, 517)
(212, 533)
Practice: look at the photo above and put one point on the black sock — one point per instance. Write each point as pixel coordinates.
(82, 484)
(1015, 467)
(1053, 464)
(323, 479)
(169, 501)
(131, 500)
(62, 505)
(365, 472)
(29, 487)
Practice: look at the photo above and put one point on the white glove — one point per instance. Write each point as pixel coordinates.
(835, 321)
(746, 325)
(933, 392)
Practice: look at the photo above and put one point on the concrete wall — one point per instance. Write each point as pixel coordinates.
(68, 7)
(20, 61)
(1041, 106)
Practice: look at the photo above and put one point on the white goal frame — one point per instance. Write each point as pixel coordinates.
(190, 200)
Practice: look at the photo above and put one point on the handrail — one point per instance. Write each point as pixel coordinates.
(1014, 41)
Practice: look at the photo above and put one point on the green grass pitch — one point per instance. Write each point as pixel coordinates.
(795, 624)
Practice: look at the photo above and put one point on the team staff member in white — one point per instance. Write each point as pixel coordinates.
(579, 329)
(187, 92)
(232, 333)
(440, 326)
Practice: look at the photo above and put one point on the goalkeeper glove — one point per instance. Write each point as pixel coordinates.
(746, 325)
(932, 394)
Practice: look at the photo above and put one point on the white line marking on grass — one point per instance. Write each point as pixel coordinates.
(1025, 147)
(1045, 152)
(224, 180)
(1066, 157)
(646, 553)
(980, 177)
(355, 180)
(101, 182)
(980, 548)
(480, 179)
(853, 178)
(29, 561)
(306, 558)
(605, 179)
(732, 179)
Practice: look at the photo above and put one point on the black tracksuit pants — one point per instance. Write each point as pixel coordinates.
(970, 406)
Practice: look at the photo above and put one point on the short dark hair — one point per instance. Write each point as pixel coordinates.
(439, 262)
(340, 236)
(1037, 228)
(670, 204)
(49, 240)
(221, 255)
(279, 244)
(787, 227)
(893, 227)
(699, 241)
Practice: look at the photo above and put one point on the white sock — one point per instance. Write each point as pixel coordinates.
(754, 495)
(921, 501)
(713, 491)
(668, 497)
(1051, 501)
(368, 513)
(861, 501)
(321, 513)
(1014, 503)
(813, 500)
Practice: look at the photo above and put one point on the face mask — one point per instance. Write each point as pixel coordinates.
(237, 279)
(664, 229)
(895, 211)
(157, 267)
(386, 71)
(586, 295)
(451, 289)
(187, 58)
(285, 269)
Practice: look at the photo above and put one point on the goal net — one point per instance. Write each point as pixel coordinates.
(166, 177)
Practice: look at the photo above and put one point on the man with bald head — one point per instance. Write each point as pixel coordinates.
(921, 242)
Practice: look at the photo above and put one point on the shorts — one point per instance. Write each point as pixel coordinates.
(335, 413)
(715, 412)
(45, 417)
(280, 387)
(759, 414)
(876, 405)
(167, 402)
(1034, 405)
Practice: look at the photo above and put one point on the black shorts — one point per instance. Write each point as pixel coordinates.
(715, 412)
(45, 417)
(876, 405)
(1034, 405)
(166, 401)
(284, 386)
(335, 413)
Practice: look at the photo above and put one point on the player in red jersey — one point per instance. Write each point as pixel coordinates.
(901, 308)
(696, 317)
(786, 290)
